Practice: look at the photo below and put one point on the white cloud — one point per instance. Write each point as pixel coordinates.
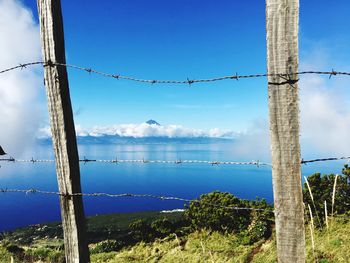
(145, 130)
(253, 143)
(325, 116)
(19, 103)
(324, 112)
(324, 105)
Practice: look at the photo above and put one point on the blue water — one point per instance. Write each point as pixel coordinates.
(180, 180)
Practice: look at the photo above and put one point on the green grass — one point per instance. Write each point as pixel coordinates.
(5, 255)
(330, 245)
(204, 246)
(200, 246)
(197, 247)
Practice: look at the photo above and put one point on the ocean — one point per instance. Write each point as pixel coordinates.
(179, 180)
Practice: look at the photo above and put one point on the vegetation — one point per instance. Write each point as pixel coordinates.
(218, 218)
(203, 233)
(106, 246)
(330, 245)
(213, 246)
(251, 225)
(322, 187)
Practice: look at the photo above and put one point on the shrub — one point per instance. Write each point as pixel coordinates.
(322, 190)
(12, 249)
(162, 227)
(141, 230)
(5, 256)
(257, 230)
(107, 246)
(44, 254)
(211, 212)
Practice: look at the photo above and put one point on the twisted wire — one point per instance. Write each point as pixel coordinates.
(160, 197)
(287, 76)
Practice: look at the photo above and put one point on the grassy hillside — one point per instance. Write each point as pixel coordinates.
(45, 241)
(100, 227)
(184, 237)
(330, 246)
(201, 246)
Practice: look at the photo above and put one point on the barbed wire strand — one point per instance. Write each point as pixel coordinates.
(160, 197)
(287, 76)
(324, 159)
(141, 161)
(145, 161)
(22, 66)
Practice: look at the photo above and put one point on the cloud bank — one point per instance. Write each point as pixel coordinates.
(145, 130)
(19, 90)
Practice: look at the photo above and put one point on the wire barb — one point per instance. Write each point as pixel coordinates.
(333, 73)
(190, 81)
(236, 77)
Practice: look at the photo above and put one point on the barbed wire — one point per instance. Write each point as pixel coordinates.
(324, 159)
(141, 161)
(22, 66)
(160, 197)
(288, 77)
(179, 161)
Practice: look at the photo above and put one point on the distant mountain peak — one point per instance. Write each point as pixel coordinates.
(2, 152)
(152, 122)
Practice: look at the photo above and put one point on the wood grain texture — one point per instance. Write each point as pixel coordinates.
(282, 25)
(63, 131)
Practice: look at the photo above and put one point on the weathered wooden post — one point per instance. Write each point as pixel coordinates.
(63, 131)
(282, 22)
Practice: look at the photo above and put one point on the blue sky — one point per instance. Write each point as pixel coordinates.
(180, 39)
(165, 40)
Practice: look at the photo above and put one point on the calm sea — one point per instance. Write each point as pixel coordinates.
(180, 180)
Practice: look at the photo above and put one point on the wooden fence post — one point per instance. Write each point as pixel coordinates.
(282, 22)
(63, 131)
